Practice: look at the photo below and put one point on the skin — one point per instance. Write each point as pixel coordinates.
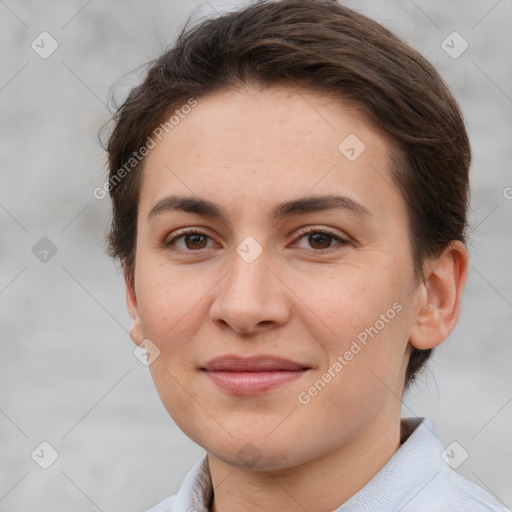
(303, 298)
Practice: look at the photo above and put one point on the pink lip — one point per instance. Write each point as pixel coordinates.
(253, 375)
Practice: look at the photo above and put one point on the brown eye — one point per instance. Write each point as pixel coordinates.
(188, 241)
(320, 240)
(195, 241)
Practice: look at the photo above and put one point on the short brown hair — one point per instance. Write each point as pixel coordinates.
(319, 45)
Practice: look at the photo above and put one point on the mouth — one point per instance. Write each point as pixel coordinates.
(253, 375)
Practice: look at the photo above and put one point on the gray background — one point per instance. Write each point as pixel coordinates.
(68, 375)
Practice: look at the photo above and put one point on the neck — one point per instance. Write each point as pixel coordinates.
(321, 484)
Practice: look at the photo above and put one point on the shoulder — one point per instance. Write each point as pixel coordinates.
(462, 495)
(429, 483)
(167, 505)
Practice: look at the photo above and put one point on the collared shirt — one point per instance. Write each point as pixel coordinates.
(416, 479)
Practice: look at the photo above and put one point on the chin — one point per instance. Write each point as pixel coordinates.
(255, 456)
(256, 452)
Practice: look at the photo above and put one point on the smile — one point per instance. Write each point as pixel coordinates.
(250, 376)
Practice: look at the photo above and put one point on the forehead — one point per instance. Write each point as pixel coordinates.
(253, 147)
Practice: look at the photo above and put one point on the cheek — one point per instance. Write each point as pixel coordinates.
(349, 301)
(177, 395)
(363, 372)
(167, 301)
(362, 324)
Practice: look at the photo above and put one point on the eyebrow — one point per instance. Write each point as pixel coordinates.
(205, 208)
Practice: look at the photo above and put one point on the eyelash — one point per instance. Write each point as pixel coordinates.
(307, 231)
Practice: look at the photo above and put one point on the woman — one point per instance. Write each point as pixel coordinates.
(290, 189)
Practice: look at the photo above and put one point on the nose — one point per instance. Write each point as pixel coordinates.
(251, 298)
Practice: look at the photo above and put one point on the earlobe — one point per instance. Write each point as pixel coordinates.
(131, 301)
(439, 297)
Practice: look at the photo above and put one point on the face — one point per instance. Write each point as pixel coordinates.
(280, 296)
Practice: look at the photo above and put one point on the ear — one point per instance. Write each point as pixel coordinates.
(131, 301)
(439, 297)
